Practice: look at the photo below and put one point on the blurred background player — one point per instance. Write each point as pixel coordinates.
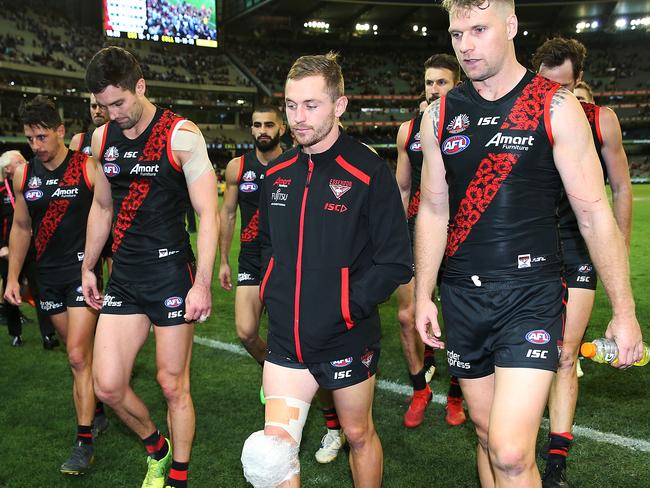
(9, 161)
(158, 167)
(441, 74)
(53, 195)
(562, 60)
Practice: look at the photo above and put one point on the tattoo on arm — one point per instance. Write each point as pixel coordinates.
(558, 99)
(434, 113)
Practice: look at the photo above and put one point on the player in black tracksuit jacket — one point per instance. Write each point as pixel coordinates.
(332, 224)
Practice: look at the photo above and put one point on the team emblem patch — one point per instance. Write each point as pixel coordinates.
(249, 176)
(341, 363)
(366, 359)
(458, 124)
(34, 182)
(111, 154)
(340, 187)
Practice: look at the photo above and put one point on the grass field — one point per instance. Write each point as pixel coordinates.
(37, 422)
(198, 4)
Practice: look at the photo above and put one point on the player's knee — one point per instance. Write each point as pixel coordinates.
(173, 386)
(269, 460)
(247, 335)
(406, 317)
(107, 391)
(359, 435)
(78, 358)
(509, 459)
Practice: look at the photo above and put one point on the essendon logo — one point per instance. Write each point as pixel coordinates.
(366, 359)
(111, 169)
(283, 182)
(455, 144)
(458, 124)
(340, 187)
(173, 302)
(341, 363)
(538, 337)
(111, 154)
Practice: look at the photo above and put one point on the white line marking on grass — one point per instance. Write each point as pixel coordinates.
(405, 390)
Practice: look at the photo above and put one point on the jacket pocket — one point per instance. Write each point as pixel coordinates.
(345, 298)
(265, 280)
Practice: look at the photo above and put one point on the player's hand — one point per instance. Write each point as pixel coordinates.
(426, 322)
(12, 293)
(627, 335)
(198, 303)
(225, 277)
(93, 297)
(4, 252)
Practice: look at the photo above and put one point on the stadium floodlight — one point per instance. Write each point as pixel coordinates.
(416, 28)
(424, 29)
(595, 24)
(621, 23)
(525, 32)
(375, 27)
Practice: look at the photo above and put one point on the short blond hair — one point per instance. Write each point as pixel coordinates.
(325, 65)
(450, 5)
(8, 156)
(587, 87)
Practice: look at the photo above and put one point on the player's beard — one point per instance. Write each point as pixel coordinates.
(319, 134)
(268, 145)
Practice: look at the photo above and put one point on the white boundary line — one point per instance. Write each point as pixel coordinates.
(400, 389)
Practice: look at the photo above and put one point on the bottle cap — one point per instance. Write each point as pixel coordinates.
(588, 349)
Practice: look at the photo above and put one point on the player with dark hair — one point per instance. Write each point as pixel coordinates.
(441, 74)
(488, 205)
(561, 60)
(53, 194)
(334, 244)
(157, 165)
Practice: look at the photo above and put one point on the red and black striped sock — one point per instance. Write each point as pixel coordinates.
(558, 447)
(331, 418)
(84, 434)
(156, 445)
(177, 475)
(454, 388)
(99, 408)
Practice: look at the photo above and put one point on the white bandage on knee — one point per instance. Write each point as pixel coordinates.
(289, 414)
(194, 143)
(268, 460)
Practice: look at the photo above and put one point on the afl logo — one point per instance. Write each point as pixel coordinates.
(248, 176)
(173, 302)
(416, 146)
(248, 187)
(32, 195)
(111, 154)
(538, 337)
(585, 268)
(455, 144)
(111, 169)
(341, 363)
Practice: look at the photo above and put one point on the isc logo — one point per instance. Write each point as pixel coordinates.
(130, 154)
(175, 314)
(455, 144)
(488, 120)
(339, 375)
(335, 207)
(537, 354)
(582, 279)
(538, 337)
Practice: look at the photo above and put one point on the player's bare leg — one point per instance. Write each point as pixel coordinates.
(248, 310)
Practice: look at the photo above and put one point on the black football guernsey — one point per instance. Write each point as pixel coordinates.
(414, 151)
(150, 197)
(573, 245)
(58, 203)
(86, 141)
(251, 174)
(504, 188)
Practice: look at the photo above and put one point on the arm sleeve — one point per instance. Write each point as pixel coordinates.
(392, 259)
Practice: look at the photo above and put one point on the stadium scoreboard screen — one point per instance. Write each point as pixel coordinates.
(190, 22)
